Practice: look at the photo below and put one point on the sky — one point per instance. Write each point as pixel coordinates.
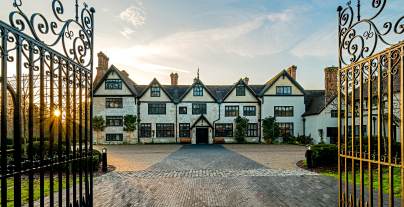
(225, 39)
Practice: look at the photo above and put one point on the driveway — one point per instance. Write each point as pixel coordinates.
(211, 175)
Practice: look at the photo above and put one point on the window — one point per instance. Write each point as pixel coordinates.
(114, 121)
(113, 103)
(112, 84)
(199, 108)
(223, 130)
(155, 91)
(283, 111)
(286, 129)
(252, 130)
(157, 108)
(240, 90)
(184, 130)
(182, 110)
(283, 90)
(334, 113)
(249, 111)
(145, 130)
(114, 137)
(231, 111)
(198, 90)
(164, 130)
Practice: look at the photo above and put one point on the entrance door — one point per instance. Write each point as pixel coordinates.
(202, 136)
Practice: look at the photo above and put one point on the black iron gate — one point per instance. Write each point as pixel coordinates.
(46, 107)
(370, 105)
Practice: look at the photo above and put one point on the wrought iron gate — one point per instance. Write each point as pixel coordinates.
(370, 106)
(46, 107)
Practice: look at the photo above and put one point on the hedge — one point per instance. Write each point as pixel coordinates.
(324, 155)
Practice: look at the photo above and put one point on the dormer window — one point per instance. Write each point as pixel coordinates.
(198, 90)
(240, 90)
(283, 90)
(113, 84)
(155, 91)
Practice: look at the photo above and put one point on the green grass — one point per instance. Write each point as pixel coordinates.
(24, 189)
(385, 178)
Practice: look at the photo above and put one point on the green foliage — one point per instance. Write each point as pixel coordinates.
(241, 129)
(324, 155)
(299, 140)
(270, 129)
(129, 122)
(98, 123)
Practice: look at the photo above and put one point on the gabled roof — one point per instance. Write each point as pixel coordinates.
(283, 73)
(124, 77)
(241, 81)
(219, 91)
(197, 81)
(315, 102)
(155, 81)
(202, 117)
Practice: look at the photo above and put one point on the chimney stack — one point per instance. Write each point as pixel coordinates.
(174, 79)
(246, 79)
(102, 66)
(292, 71)
(330, 78)
(125, 73)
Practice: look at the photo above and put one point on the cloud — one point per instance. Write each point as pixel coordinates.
(127, 32)
(134, 15)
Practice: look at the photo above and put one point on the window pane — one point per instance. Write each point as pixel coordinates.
(157, 108)
(240, 90)
(114, 137)
(164, 130)
(184, 130)
(198, 108)
(224, 130)
(231, 111)
(114, 121)
(155, 91)
(145, 130)
(182, 110)
(198, 90)
(249, 111)
(113, 103)
(252, 130)
(111, 84)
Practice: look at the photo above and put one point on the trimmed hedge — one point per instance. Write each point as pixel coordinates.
(324, 155)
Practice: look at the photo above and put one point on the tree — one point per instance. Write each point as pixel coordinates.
(270, 129)
(98, 123)
(241, 129)
(129, 122)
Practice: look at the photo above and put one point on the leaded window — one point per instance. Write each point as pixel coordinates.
(249, 110)
(224, 130)
(231, 111)
(157, 108)
(286, 129)
(112, 84)
(114, 137)
(283, 90)
(145, 130)
(283, 111)
(198, 90)
(252, 130)
(164, 130)
(185, 130)
(182, 110)
(114, 121)
(155, 91)
(199, 108)
(113, 103)
(334, 113)
(240, 90)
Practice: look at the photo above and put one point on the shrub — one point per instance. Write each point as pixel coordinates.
(98, 123)
(304, 139)
(129, 122)
(96, 159)
(324, 155)
(241, 129)
(270, 129)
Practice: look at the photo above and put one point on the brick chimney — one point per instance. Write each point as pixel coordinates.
(292, 71)
(102, 66)
(174, 79)
(246, 79)
(330, 78)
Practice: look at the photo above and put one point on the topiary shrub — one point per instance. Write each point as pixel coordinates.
(129, 122)
(324, 155)
(241, 129)
(271, 129)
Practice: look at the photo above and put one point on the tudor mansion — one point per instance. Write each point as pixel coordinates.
(200, 113)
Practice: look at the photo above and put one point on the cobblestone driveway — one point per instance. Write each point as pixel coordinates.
(211, 175)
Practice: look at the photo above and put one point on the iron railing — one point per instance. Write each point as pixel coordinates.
(370, 108)
(46, 136)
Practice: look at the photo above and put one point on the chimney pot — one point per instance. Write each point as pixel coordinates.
(246, 80)
(174, 79)
(292, 71)
(125, 73)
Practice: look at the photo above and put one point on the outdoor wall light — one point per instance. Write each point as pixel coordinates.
(104, 150)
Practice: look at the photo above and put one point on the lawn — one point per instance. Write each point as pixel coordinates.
(396, 183)
(24, 189)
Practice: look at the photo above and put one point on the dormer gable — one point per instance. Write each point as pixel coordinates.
(283, 85)
(155, 92)
(198, 92)
(241, 92)
(114, 82)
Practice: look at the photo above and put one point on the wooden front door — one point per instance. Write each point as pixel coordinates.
(202, 135)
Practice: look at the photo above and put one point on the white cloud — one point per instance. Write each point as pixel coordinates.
(134, 15)
(127, 32)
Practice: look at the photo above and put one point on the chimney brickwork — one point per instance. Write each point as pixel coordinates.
(102, 66)
(292, 71)
(174, 79)
(330, 78)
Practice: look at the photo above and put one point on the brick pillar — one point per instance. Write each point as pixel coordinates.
(330, 78)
